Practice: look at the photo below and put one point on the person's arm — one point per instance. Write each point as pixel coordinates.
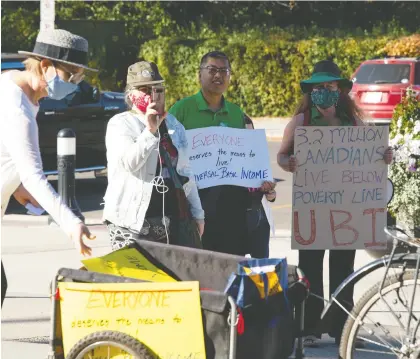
(24, 197)
(197, 211)
(271, 196)
(20, 137)
(127, 149)
(268, 188)
(191, 190)
(286, 161)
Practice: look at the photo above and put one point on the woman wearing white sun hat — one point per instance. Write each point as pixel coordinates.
(53, 69)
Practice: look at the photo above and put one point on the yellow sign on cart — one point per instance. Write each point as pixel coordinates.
(127, 262)
(165, 317)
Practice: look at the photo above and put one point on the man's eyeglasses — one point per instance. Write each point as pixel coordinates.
(213, 70)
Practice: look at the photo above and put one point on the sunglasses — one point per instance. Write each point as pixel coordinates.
(74, 77)
(144, 89)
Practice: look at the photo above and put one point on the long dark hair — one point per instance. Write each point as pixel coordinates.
(345, 105)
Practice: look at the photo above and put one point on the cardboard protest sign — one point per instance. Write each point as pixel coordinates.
(127, 262)
(339, 189)
(229, 156)
(166, 317)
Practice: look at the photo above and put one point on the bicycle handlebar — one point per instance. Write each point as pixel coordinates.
(411, 241)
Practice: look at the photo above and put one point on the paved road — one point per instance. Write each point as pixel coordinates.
(32, 252)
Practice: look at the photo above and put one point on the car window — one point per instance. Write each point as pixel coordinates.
(417, 75)
(382, 74)
(12, 66)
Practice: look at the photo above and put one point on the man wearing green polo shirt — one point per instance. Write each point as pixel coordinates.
(224, 206)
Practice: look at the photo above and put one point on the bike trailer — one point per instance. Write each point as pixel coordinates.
(228, 332)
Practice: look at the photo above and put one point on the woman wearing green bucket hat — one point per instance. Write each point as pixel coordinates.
(325, 103)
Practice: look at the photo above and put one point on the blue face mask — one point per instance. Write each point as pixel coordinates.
(58, 89)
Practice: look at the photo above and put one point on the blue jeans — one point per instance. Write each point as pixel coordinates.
(258, 234)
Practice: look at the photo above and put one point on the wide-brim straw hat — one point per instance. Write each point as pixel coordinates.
(61, 46)
(325, 71)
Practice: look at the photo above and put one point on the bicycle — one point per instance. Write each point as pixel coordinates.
(404, 258)
(373, 327)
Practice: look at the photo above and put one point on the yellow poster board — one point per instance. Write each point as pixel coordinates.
(127, 262)
(166, 317)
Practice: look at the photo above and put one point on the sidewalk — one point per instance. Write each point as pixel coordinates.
(274, 126)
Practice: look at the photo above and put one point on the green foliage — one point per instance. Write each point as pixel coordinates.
(267, 67)
(272, 44)
(405, 171)
(19, 25)
(405, 124)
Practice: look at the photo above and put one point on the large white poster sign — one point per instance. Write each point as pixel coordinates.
(228, 156)
(339, 189)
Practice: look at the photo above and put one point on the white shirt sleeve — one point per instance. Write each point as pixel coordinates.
(22, 142)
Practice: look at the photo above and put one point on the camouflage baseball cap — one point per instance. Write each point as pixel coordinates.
(143, 73)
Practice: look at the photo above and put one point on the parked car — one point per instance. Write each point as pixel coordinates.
(86, 111)
(379, 85)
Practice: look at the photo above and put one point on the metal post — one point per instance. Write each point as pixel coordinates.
(66, 163)
(300, 321)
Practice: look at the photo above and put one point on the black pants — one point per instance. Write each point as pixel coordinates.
(225, 212)
(258, 233)
(341, 266)
(3, 284)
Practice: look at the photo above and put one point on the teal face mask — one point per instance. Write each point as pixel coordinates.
(325, 98)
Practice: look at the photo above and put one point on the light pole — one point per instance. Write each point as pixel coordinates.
(47, 8)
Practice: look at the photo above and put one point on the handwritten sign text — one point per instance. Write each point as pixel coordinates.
(339, 189)
(165, 317)
(222, 155)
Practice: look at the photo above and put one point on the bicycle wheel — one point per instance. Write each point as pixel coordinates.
(109, 344)
(380, 322)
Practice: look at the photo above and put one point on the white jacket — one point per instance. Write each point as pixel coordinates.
(132, 154)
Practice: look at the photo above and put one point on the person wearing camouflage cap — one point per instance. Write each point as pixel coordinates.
(53, 69)
(151, 193)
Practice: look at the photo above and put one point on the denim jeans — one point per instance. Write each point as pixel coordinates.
(258, 235)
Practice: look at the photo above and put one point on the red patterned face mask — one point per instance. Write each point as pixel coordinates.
(142, 101)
